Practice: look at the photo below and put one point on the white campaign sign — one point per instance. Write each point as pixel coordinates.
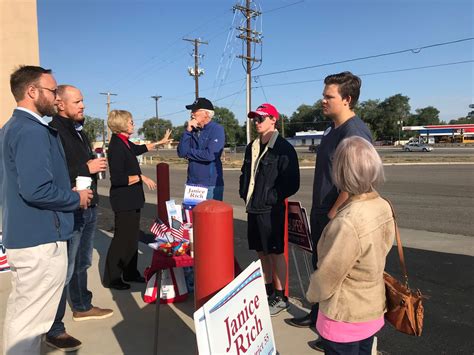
(194, 194)
(237, 319)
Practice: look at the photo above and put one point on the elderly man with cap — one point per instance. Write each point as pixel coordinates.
(270, 174)
(202, 144)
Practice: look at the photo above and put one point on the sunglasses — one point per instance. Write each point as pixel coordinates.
(259, 119)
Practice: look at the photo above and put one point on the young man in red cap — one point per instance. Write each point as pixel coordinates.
(270, 174)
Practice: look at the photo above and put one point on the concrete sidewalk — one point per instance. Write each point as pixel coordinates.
(132, 328)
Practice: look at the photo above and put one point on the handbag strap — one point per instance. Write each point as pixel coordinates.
(401, 256)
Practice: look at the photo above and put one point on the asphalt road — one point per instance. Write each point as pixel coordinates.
(436, 198)
(303, 152)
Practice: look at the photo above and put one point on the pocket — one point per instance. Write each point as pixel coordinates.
(53, 249)
(271, 197)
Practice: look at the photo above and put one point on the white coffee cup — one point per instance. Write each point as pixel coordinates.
(83, 183)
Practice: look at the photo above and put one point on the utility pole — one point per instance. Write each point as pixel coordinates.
(250, 36)
(400, 124)
(156, 98)
(108, 111)
(196, 71)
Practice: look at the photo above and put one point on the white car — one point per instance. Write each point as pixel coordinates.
(417, 147)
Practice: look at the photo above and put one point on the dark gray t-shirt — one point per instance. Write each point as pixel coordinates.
(324, 191)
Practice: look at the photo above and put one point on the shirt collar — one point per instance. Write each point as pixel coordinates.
(272, 140)
(43, 120)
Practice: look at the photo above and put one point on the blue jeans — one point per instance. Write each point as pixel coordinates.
(361, 347)
(215, 193)
(80, 248)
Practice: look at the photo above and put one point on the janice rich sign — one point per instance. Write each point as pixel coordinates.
(237, 319)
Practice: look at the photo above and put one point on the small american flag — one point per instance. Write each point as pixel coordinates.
(159, 228)
(176, 229)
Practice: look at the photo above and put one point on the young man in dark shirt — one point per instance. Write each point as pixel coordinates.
(340, 96)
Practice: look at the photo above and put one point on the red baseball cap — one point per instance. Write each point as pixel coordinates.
(264, 110)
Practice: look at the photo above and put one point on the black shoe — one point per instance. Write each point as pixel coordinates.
(316, 345)
(118, 285)
(302, 322)
(63, 342)
(138, 278)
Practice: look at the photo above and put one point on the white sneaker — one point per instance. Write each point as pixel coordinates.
(277, 305)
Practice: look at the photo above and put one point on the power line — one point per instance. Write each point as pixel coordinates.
(376, 73)
(283, 7)
(413, 50)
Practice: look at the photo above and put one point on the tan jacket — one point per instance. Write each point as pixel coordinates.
(348, 283)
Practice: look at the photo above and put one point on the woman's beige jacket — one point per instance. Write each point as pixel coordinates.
(348, 283)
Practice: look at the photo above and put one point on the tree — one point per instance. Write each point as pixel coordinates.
(307, 117)
(463, 120)
(369, 111)
(154, 129)
(178, 131)
(227, 119)
(242, 134)
(93, 127)
(425, 116)
(393, 110)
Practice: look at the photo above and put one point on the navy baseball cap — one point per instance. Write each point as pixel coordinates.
(200, 103)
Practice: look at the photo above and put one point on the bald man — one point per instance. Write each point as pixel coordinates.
(69, 123)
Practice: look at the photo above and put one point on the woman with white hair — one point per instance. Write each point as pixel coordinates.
(348, 283)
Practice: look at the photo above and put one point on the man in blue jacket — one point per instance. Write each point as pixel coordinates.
(37, 210)
(202, 144)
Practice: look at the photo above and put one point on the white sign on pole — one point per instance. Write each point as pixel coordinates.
(194, 194)
(237, 319)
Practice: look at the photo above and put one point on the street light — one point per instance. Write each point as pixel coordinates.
(156, 98)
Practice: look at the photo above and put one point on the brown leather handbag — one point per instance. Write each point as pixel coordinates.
(404, 306)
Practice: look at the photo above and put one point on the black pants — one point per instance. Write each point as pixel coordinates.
(122, 256)
(361, 347)
(318, 223)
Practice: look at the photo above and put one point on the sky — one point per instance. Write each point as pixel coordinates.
(135, 49)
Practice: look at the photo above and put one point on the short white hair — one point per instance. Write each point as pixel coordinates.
(210, 113)
(357, 167)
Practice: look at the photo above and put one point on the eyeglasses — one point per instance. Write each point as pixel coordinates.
(54, 91)
(259, 119)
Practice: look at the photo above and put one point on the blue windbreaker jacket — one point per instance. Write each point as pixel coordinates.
(203, 150)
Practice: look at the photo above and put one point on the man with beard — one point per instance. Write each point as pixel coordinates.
(68, 122)
(37, 211)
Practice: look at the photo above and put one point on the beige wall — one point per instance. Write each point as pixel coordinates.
(18, 45)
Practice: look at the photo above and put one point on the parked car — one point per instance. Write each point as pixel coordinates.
(417, 147)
